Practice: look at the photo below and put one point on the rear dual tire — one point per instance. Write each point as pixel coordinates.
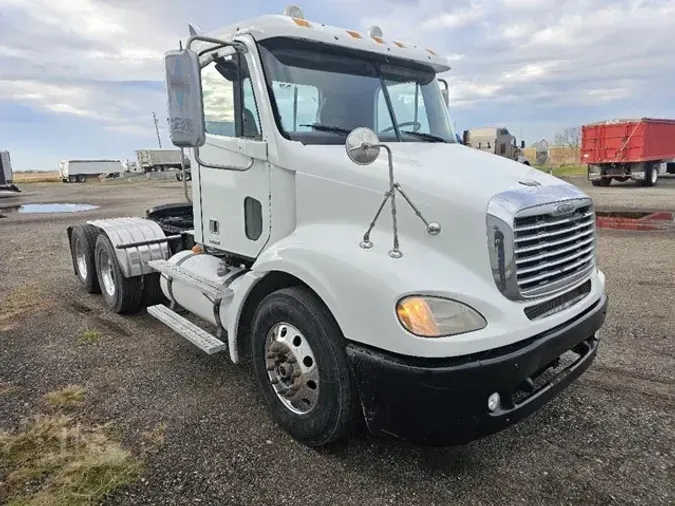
(82, 244)
(122, 295)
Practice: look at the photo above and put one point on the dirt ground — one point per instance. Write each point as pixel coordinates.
(609, 439)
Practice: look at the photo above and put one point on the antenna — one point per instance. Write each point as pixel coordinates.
(193, 28)
(154, 117)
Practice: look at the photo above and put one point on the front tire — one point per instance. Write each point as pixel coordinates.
(122, 295)
(651, 175)
(82, 246)
(301, 367)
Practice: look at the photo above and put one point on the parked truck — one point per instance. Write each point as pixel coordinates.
(79, 171)
(637, 149)
(468, 301)
(496, 140)
(6, 173)
(160, 160)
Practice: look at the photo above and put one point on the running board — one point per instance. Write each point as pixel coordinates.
(196, 335)
(211, 289)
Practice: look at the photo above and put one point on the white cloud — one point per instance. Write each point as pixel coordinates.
(455, 18)
(510, 58)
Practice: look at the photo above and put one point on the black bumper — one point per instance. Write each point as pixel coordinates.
(444, 401)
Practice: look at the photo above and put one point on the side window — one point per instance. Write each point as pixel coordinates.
(221, 88)
(406, 108)
(218, 92)
(298, 104)
(251, 118)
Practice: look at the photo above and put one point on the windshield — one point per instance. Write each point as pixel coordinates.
(319, 97)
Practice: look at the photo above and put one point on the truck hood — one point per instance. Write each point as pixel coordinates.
(450, 184)
(437, 173)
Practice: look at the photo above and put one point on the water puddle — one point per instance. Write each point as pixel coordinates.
(46, 208)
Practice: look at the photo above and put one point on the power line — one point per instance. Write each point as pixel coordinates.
(154, 117)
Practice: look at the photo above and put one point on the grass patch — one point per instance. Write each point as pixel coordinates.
(36, 177)
(19, 302)
(68, 397)
(565, 170)
(6, 389)
(154, 438)
(89, 337)
(55, 460)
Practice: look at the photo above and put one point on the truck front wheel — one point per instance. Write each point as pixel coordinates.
(121, 294)
(651, 175)
(300, 363)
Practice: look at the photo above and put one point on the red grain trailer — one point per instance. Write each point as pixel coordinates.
(638, 149)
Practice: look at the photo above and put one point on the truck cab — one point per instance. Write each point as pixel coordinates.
(6, 173)
(335, 238)
(498, 141)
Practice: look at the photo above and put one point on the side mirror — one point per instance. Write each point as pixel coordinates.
(522, 144)
(362, 146)
(184, 98)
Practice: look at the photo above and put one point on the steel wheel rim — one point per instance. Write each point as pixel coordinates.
(107, 273)
(81, 259)
(291, 368)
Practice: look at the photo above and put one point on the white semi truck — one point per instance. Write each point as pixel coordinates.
(79, 171)
(159, 160)
(468, 301)
(6, 173)
(496, 140)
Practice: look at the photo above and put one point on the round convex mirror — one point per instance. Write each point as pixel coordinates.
(362, 146)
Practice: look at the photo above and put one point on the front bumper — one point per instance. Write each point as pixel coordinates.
(444, 401)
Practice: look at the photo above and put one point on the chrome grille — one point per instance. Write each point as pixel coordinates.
(551, 251)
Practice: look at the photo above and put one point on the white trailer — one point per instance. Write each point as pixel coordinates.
(159, 160)
(72, 171)
(6, 173)
(470, 301)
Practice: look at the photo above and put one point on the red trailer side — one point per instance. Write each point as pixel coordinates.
(627, 149)
(628, 141)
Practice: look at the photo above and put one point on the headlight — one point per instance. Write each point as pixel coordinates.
(427, 316)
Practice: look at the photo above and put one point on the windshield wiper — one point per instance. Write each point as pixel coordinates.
(426, 136)
(327, 128)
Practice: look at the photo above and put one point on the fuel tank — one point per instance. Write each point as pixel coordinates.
(191, 298)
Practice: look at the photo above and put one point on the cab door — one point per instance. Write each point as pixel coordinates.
(232, 204)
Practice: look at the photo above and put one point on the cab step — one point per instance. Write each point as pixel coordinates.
(208, 287)
(196, 335)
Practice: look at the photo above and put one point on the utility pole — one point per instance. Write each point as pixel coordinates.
(154, 117)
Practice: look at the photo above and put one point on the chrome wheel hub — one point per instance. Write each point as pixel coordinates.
(292, 368)
(107, 274)
(80, 259)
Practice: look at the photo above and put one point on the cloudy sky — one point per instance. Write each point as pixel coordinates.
(81, 78)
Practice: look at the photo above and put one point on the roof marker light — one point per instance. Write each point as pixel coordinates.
(294, 11)
(355, 34)
(375, 32)
(302, 22)
(399, 44)
(431, 52)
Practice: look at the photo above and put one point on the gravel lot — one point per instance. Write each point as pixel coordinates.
(609, 439)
